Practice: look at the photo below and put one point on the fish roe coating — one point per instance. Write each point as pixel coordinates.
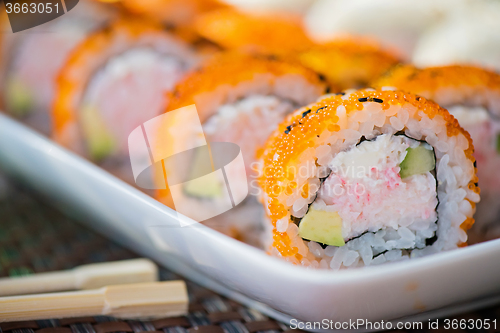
(256, 33)
(300, 130)
(430, 80)
(349, 63)
(230, 69)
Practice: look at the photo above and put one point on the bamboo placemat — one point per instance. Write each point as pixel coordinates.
(34, 237)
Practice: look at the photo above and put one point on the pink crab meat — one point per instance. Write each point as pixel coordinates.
(365, 182)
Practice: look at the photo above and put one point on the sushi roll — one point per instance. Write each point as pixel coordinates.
(263, 33)
(366, 177)
(31, 60)
(472, 95)
(115, 80)
(349, 62)
(177, 15)
(240, 99)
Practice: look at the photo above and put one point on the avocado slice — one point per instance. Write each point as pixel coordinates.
(206, 186)
(498, 143)
(19, 98)
(100, 141)
(322, 227)
(418, 160)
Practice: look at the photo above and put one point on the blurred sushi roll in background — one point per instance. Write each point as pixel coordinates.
(240, 99)
(472, 95)
(176, 15)
(367, 177)
(261, 33)
(349, 62)
(31, 60)
(115, 80)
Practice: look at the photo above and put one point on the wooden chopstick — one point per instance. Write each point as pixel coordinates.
(83, 277)
(138, 300)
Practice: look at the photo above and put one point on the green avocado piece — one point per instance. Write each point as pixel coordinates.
(322, 227)
(498, 143)
(19, 99)
(206, 186)
(100, 141)
(418, 160)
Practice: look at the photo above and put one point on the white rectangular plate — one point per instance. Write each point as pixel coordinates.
(411, 289)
